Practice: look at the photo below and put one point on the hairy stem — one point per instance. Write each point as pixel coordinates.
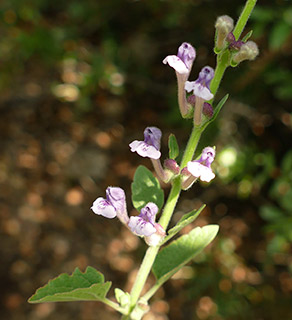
(142, 275)
(241, 22)
(149, 258)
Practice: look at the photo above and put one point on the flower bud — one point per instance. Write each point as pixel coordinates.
(192, 100)
(223, 25)
(172, 166)
(248, 51)
(208, 110)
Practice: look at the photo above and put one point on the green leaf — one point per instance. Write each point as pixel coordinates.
(183, 222)
(247, 36)
(146, 188)
(87, 286)
(279, 35)
(173, 147)
(174, 256)
(216, 111)
(270, 213)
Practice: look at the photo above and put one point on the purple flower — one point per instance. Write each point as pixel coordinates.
(104, 208)
(183, 61)
(201, 87)
(150, 146)
(144, 224)
(202, 168)
(114, 204)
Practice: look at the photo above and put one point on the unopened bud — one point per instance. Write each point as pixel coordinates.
(248, 51)
(172, 166)
(223, 25)
(185, 172)
(208, 110)
(191, 100)
(230, 37)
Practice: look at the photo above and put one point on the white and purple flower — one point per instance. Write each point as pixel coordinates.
(201, 168)
(201, 87)
(150, 147)
(183, 61)
(113, 206)
(144, 225)
(201, 91)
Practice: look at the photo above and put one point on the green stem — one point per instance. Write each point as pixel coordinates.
(142, 275)
(113, 305)
(221, 66)
(171, 203)
(191, 146)
(241, 22)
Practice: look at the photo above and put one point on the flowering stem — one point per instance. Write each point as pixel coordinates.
(143, 275)
(149, 258)
(222, 64)
(191, 146)
(223, 57)
(171, 203)
(241, 22)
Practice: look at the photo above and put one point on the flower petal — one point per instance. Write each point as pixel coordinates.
(202, 92)
(189, 85)
(149, 212)
(207, 175)
(177, 64)
(102, 207)
(117, 198)
(141, 227)
(145, 150)
(198, 170)
(152, 136)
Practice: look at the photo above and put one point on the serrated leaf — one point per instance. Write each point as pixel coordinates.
(87, 286)
(173, 147)
(183, 222)
(174, 256)
(247, 36)
(146, 188)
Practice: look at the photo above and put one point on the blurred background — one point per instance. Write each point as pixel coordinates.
(80, 80)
